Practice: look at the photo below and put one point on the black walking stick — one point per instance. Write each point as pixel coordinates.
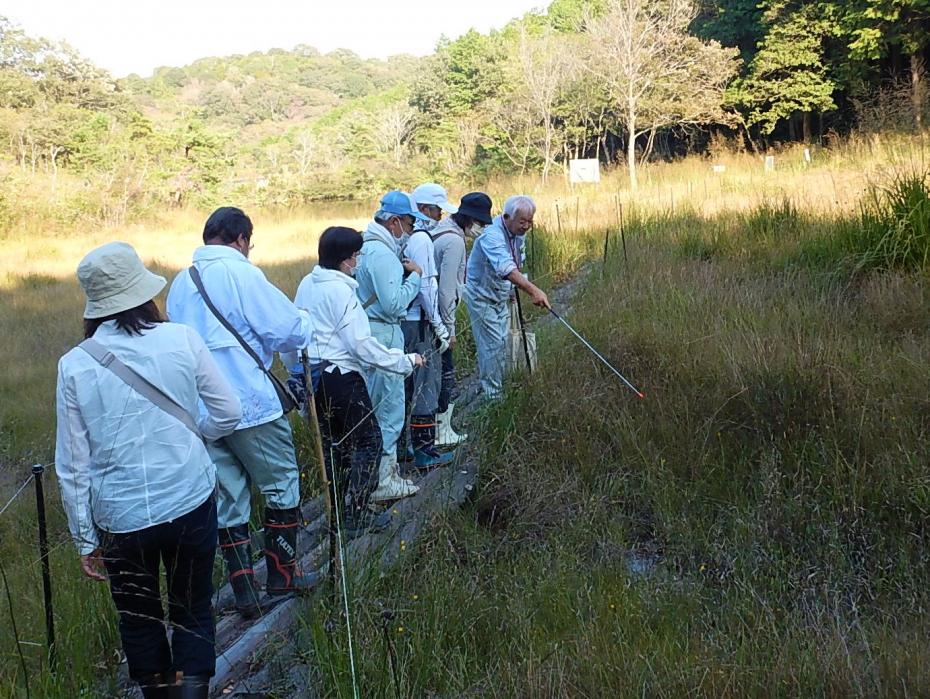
(526, 345)
(37, 471)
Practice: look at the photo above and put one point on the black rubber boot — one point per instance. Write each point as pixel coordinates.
(192, 687)
(284, 576)
(157, 686)
(237, 552)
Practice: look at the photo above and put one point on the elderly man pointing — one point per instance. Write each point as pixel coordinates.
(492, 273)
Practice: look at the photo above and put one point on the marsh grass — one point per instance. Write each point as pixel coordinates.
(775, 474)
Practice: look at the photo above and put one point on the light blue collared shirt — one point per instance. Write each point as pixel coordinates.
(495, 254)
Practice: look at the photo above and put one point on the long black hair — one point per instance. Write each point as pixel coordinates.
(132, 321)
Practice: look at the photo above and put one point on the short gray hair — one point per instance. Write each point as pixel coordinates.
(518, 203)
(383, 217)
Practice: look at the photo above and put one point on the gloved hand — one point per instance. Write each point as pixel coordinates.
(442, 334)
(298, 385)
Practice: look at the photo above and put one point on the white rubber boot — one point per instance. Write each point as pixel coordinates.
(390, 485)
(445, 435)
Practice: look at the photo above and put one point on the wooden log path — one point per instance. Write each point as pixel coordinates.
(239, 642)
(239, 668)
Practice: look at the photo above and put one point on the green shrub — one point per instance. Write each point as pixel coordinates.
(895, 226)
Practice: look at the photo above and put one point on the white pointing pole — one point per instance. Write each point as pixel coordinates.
(598, 354)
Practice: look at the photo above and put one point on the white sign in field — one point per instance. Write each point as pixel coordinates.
(584, 171)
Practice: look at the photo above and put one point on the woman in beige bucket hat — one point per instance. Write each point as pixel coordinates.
(136, 479)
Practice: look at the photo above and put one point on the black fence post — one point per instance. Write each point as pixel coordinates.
(37, 471)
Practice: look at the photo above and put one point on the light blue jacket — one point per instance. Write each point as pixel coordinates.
(380, 277)
(495, 254)
(256, 308)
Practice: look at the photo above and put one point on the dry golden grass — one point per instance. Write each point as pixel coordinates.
(166, 244)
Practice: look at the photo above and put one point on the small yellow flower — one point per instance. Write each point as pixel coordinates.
(613, 606)
(702, 568)
(416, 597)
(400, 629)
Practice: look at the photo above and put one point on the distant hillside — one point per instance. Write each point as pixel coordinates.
(275, 86)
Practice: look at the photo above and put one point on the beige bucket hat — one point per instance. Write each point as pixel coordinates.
(115, 280)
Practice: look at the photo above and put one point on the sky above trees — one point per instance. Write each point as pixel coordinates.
(129, 37)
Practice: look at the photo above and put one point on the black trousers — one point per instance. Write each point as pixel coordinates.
(186, 546)
(351, 435)
(448, 390)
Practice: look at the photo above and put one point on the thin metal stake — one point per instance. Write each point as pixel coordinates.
(606, 241)
(37, 471)
(526, 346)
(19, 647)
(597, 354)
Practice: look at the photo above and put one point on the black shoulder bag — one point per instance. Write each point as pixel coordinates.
(285, 395)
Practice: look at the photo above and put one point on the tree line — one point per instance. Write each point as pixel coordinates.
(623, 81)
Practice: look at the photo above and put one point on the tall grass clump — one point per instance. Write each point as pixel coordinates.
(895, 225)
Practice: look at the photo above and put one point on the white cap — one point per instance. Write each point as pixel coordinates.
(433, 194)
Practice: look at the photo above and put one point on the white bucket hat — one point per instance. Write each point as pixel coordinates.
(115, 280)
(433, 194)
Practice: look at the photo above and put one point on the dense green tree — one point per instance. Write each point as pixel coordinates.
(880, 28)
(788, 75)
(733, 23)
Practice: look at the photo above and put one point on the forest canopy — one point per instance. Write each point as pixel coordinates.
(624, 81)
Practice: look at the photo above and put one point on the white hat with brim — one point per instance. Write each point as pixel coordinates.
(434, 195)
(115, 280)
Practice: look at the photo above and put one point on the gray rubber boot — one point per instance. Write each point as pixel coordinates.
(236, 547)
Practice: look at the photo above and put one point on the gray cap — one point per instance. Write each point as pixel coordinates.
(115, 280)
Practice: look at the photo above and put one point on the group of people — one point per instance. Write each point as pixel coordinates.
(165, 427)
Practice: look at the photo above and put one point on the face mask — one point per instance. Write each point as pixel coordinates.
(427, 225)
(474, 230)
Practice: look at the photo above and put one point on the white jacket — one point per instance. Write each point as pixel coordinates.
(259, 312)
(341, 331)
(123, 463)
(419, 248)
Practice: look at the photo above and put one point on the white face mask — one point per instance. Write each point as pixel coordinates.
(474, 230)
(348, 268)
(427, 225)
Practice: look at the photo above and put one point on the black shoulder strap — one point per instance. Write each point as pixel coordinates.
(198, 282)
(439, 235)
